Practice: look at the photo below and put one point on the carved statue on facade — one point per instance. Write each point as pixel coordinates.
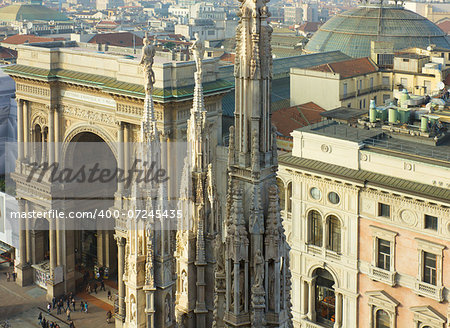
(147, 58)
(259, 270)
(198, 51)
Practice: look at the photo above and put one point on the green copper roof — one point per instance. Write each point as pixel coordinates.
(366, 177)
(109, 84)
(30, 12)
(352, 31)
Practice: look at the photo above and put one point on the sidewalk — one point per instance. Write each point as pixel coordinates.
(21, 306)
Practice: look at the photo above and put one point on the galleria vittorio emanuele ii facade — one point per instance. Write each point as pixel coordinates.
(223, 259)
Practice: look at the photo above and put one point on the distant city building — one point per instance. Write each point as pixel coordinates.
(293, 15)
(310, 12)
(108, 4)
(435, 11)
(354, 83)
(352, 31)
(34, 18)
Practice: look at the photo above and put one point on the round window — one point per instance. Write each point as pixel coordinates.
(315, 193)
(333, 197)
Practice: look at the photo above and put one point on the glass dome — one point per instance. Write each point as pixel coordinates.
(352, 31)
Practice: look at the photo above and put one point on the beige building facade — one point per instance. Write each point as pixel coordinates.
(67, 95)
(369, 228)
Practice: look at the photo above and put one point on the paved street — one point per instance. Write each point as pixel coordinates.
(21, 306)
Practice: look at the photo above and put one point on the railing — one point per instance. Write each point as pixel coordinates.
(332, 255)
(428, 290)
(398, 146)
(365, 91)
(381, 275)
(316, 250)
(309, 324)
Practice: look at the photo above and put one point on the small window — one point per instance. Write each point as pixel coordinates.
(334, 198)
(334, 234)
(384, 255)
(384, 210)
(315, 228)
(345, 89)
(429, 269)
(386, 80)
(315, 193)
(383, 319)
(371, 82)
(375, 99)
(431, 222)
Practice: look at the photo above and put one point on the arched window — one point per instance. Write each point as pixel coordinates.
(289, 197)
(282, 194)
(383, 320)
(334, 234)
(315, 228)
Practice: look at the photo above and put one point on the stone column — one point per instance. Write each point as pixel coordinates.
(120, 162)
(120, 316)
(338, 309)
(57, 138)
(26, 130)
(304, 299)
(43, 146)
(51, 136)
(28, 235)
(22, 234)
(53, 247)
(126, 149)
(60, 242)
(312, 300)
(23, 269)
(20, 131)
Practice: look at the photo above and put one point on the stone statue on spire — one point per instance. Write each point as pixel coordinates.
(148, 54)
(198, 51)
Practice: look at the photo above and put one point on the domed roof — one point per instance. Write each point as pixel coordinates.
(352, 31)
(30, 12)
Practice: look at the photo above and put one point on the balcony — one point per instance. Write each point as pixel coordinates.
(365, 91)
(381, 275)
(430, 291)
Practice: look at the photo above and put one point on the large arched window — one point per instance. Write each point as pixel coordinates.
(334, 234)
(282, 194)
(315, 228)
(289, 197)
(383, 320)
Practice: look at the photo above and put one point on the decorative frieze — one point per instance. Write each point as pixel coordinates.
(30, 89)
(88, 114)
(130, 109)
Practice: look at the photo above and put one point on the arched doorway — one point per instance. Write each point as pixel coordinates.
(325, 298)
(91, 196)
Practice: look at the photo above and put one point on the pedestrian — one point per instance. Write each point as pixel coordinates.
(71, 325)
(68, 313)
(54, 301)
(40, 317)
(8, 277)
(43, 323)
(95, 287)
(109, 295)
(88, 288)
(81, 306)
(49, 307)
(58, 306)
(14, 276)
(68, 302)
(86, 307)
(102, 285)
(108, 316)
(73, 303)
